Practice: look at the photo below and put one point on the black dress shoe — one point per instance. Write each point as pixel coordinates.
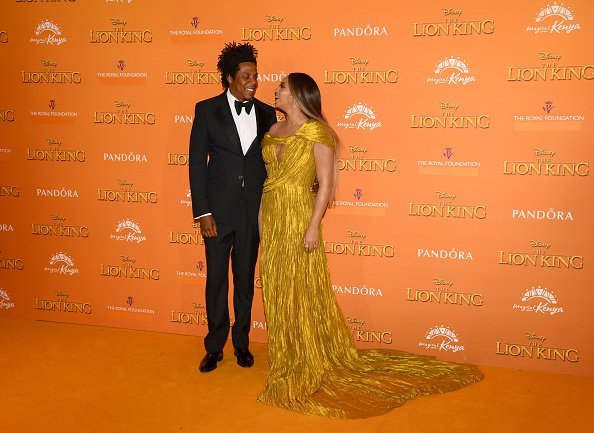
(244, 357)
(209, 362)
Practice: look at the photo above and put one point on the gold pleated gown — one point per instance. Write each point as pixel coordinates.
(314, 365)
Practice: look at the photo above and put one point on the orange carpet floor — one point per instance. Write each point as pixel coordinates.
(65, 378)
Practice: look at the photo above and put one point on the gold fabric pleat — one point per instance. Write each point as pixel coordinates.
(314, 365)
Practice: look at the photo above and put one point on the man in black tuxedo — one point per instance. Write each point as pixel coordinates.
(226, 178)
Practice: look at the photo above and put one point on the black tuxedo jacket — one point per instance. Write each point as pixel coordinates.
(220, 174)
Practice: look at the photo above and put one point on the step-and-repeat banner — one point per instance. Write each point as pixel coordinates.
(463, 223)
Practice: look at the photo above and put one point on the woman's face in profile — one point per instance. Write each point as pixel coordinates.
(282, 96)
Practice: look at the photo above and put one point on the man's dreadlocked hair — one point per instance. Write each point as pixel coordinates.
(231, 56)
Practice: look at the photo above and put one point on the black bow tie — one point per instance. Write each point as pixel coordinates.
(245, 104)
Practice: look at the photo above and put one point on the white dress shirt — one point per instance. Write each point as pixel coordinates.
(247, 127)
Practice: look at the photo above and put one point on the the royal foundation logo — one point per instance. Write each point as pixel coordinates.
(276, 30)
(55, 153)
(49, 74)
(6, 116)
(63, 303)
(446, 208)
(58, 227)
(127, 195)
(357, 290)
(5, 301)
(454, 25)
(128, 230)
(195, 74)
(554, 19)
(120, 34)
(358, 245)
(9, 191)
(192, 29)
(360, 201)
(57, 192)
(130, 306)
(539, 300)
(360, 161)
(442, 338)
(432, 253)
(54, 114)
(11, 263)
(449, 118)
(200, 272)
(62, 264)
(195, 317)
(549, 70)
(540, 256)
(444, 293)
(360, 116)
(128, 269)
(534, 348)
(547, 117)
(123, 116)
(187, 238)
(359, 74)
(544, 165)
(452, 71)
(365, 335)
(122, 75)
(48, 33)
(369, 31)
(448, 165)
(550, 214)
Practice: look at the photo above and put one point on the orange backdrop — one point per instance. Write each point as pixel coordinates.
(462, 227)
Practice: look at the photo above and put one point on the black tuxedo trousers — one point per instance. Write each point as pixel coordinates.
(239, 241)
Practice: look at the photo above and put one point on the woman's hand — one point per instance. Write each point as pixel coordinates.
(310, 240)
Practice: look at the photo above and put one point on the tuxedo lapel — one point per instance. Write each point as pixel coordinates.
(225, 119)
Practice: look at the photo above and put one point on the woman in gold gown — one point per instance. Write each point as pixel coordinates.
(314, 365)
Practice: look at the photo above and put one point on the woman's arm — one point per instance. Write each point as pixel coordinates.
(324, 158)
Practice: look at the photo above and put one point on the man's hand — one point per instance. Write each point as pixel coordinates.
(208, 227)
